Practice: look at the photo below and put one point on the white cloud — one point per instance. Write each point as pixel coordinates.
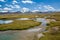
(49, 8)
(14, 1)
(35, 11)
(0, 5)
(0, 9)
(27, 1)
(40, 7)
(2, 0)
(57, 10)
(7, 9)
(24, 10)
(44, 8)
(3, 11)
(13, 6)
(17, 6)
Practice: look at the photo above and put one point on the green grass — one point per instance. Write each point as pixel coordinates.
(19, 25)
(49, 36)
(14, 16)
(52, 34)
(53, 24)
(55, 16)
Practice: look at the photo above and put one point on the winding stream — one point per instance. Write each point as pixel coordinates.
(28, 34)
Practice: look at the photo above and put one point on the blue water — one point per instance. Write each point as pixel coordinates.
(43, 20)
(5, 21)
(9, 35)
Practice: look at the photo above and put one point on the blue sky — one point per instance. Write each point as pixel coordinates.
(29, 5)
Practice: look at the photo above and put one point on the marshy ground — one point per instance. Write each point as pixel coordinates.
(25, 25)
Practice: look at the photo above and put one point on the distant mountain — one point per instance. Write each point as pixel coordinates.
(29, 12)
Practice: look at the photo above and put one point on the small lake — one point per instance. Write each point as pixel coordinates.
(5, 21)
(23, 19)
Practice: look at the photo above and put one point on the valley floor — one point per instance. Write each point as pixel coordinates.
(52, 29)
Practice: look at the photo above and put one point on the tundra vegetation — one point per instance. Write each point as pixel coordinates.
(53, 29)
(19, 25)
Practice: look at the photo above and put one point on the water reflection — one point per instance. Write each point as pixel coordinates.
(5, 21)
(43, 20)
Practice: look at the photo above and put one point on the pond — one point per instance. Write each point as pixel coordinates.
(23, 19)
(5, 21)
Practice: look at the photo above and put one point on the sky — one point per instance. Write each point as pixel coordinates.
(29, 5)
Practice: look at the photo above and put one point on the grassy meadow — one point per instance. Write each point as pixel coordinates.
(19, 25)
(53, 28)
(14, 16)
